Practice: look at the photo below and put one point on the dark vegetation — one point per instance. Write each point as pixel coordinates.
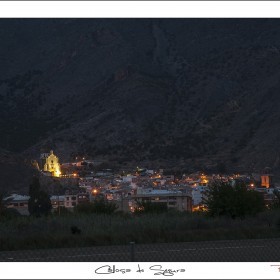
(144, 207)
(234, 201)
(7, 213)
(77, 230)
(39, 203)
(101, 223)
(99, 206)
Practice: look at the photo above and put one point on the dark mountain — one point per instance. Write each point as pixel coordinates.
(15, 173)
(192, 93)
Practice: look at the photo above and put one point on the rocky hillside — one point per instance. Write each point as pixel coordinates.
(192, 93)
(15, 173)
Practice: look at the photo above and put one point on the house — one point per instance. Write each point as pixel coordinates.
(57, 201)
(18, 202)
(173, 199)
(82, 198)
(168, 177)
(70, 201)
(268, 195)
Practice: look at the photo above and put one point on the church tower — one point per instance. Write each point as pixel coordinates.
(52, 164)
(267, 178)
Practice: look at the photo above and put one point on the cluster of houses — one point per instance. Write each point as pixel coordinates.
(186, 193)
(68, 201)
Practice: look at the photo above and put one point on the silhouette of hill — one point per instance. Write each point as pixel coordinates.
(192, 93)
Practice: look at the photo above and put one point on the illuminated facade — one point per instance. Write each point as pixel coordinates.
(203, 180)
(266, 181)
(51, 164)
(267, 178)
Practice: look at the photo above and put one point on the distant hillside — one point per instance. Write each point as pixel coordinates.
(192, 93)
(15, 173)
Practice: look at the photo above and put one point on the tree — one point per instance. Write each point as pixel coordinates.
(39, 202)
(34, 187)
(224, 199)
(99, 206)
(2, 205)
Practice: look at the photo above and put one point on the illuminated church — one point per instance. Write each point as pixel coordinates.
(50, 163)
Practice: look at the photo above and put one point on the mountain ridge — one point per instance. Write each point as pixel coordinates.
(184, 93)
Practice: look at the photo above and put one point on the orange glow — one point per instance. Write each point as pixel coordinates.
(94, 191)
(203, 179)
(197, 208)
(266, 181)
(202, 208)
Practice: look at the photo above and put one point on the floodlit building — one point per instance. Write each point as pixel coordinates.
(267, 178)
(50, 163)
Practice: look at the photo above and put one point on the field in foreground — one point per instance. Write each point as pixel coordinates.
(254, 250)
(94, 230)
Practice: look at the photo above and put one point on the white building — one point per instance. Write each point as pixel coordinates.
(198, 195)
(173, 199)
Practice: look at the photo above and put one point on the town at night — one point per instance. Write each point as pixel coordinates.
(140, 145)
